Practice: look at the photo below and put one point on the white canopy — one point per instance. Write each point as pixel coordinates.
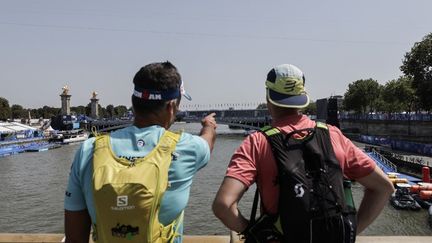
(12, 127)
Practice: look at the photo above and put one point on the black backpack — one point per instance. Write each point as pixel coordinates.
(315, 202)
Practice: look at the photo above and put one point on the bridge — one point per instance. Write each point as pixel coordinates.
(244, 119)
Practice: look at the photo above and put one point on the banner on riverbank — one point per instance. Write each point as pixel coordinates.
(418, 148)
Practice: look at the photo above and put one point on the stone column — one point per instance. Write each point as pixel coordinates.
(94, 108)
(65, 99)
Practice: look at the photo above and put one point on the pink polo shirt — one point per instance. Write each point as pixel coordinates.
(253, 161)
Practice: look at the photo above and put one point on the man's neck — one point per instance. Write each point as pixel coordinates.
(285, 113)
(141, 121)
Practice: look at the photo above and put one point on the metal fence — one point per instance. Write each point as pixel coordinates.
(387, 117)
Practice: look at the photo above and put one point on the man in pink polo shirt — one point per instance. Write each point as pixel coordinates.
(254, 160)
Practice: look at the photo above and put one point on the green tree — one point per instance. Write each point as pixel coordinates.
(79, 110)
(102, 111)
(362, 96)
(417, 64)
(110, 111)
(5, 111)
(17, 112)
(399, 95)
(88, 109)
(48, 112)
(33, 113)
(120, 110)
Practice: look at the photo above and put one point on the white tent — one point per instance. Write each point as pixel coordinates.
(14, 127)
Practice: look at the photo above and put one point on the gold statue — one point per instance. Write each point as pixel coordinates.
(65, 90)
(94, 94)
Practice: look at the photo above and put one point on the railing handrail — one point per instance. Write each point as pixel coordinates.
(384, 160)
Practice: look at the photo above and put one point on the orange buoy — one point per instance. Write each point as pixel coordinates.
(425, 195)
(415, 188)
(426, 187)
(418, 188)
(426, 174)
(398, 180)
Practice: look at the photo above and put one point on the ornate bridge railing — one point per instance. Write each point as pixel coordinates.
(245, 119)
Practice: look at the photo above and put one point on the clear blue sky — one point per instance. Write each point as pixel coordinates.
(223, 49)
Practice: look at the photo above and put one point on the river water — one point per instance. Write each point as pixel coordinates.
(32, 189)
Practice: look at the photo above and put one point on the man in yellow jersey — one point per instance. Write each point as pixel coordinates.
(133, 184)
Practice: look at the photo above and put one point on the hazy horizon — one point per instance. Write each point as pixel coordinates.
(223, 49)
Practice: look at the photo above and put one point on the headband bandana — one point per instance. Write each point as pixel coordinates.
(169, 94)
(149, 94)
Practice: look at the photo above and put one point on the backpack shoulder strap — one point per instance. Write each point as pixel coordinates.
(321, 125)
(323, 135)
(100, 147)
(170, 139)
(269, 131)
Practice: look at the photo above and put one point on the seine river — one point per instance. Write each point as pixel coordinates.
(32, 189)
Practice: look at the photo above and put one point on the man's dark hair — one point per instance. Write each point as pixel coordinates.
(155, 76)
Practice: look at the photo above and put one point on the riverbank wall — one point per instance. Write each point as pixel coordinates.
(406, 130)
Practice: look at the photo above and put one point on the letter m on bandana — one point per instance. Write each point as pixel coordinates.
(155, 97)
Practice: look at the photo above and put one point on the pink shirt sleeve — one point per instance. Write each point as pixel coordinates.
(355, 163)
(242, 165)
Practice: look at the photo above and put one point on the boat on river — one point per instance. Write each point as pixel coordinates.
(402, 199)
(70, 136)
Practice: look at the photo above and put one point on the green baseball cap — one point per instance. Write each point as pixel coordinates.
(285, 87)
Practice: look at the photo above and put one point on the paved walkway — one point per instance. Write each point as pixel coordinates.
(56, 238)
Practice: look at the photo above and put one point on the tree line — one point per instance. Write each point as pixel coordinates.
(409, 93)
(46, 112)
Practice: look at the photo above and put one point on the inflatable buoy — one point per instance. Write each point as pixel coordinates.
(399, 180)
(425, 195)
(424, 184)
(426, 174)
(415, 188)
(392, 174)
(418, 188)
